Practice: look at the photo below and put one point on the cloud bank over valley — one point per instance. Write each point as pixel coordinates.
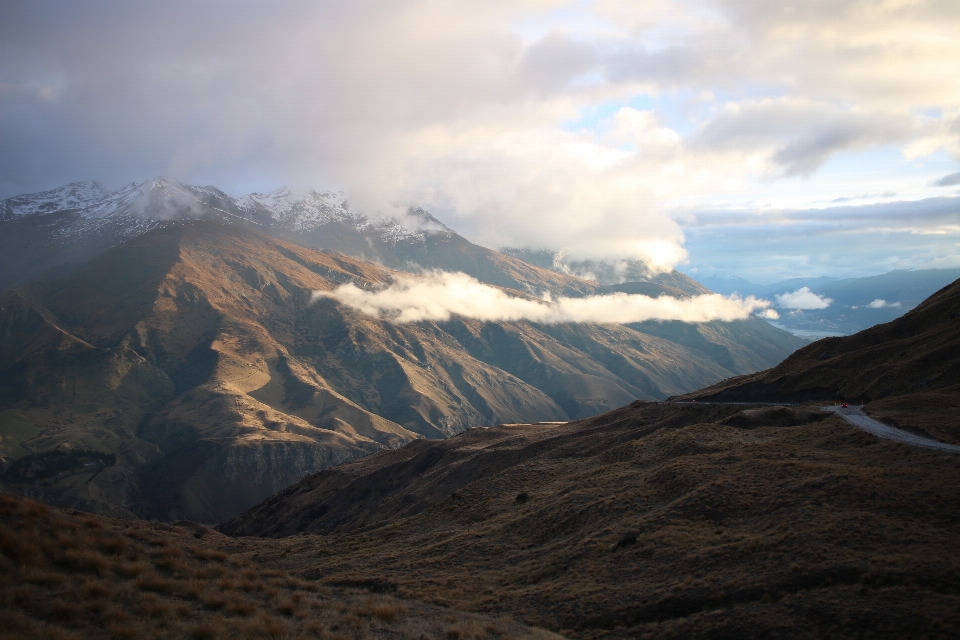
(441, 295)
(802, 299)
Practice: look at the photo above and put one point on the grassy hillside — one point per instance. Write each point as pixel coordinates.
(69, 575)
(656, 520)
(906, 371)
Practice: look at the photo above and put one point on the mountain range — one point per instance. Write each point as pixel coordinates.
(849, 304)
(188, 371)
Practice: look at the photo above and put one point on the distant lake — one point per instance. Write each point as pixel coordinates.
(808, 334)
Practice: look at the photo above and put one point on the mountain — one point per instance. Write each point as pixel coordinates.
(608, 272)
(727, 284)
(196, 356)
(74, 223)
(668, 519)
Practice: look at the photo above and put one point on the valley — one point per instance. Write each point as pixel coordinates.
(196, 355)
(456, 478)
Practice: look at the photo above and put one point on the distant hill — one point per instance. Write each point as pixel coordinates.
(733, 284)
(855, 303)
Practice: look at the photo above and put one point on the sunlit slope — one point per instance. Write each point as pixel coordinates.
(195, 356)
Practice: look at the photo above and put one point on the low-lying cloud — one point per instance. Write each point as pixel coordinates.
(804, 299)
(441, 295)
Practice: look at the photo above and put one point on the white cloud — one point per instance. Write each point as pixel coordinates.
(803, 298)
(441, 295)
(481, 110)
(882, 304)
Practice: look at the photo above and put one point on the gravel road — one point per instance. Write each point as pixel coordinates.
(855, 416)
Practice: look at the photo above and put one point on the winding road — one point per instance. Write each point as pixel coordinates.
(856, 416)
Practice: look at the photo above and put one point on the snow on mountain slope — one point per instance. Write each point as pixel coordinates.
(77, 195)
(75, 222)
(302, 211)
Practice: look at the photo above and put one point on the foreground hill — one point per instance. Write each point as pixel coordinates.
(667, 519)
(907, 371)
(188, 374)
(655, 520)
(72, 575)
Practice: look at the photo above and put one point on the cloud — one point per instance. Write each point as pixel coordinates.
(476, 110)
(841, 241)
(803, 298)
(799, 135)
(948, 180)
(441, 295)
(881, 304)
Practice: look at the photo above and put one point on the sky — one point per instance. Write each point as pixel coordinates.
(760, 139)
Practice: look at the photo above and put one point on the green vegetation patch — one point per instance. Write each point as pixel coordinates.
(41, 466)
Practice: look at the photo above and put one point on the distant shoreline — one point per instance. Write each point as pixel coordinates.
(808, 334)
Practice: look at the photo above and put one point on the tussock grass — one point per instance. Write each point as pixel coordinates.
(671, 521)
(66, 577)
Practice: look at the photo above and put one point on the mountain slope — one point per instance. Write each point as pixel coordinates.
(902, 370)
(915, 351)
(196, 355)
(78, 221)
(655, 520)
(665, 519)
(74, 223)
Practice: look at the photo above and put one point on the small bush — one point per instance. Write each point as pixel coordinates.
(130, 569)
(116, 546)
(208, 554)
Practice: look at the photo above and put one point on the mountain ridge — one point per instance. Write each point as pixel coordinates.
(197, 352)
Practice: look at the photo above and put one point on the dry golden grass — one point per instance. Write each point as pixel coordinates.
(673, 521)
(65, 577)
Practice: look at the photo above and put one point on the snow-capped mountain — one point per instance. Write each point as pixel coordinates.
(78, 221)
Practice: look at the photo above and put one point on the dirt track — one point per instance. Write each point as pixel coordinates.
(856, 416)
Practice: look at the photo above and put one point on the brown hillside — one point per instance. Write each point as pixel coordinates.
(665, 520)
(194, 356)
(656, 520)
(73, 575)
(907, 371)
